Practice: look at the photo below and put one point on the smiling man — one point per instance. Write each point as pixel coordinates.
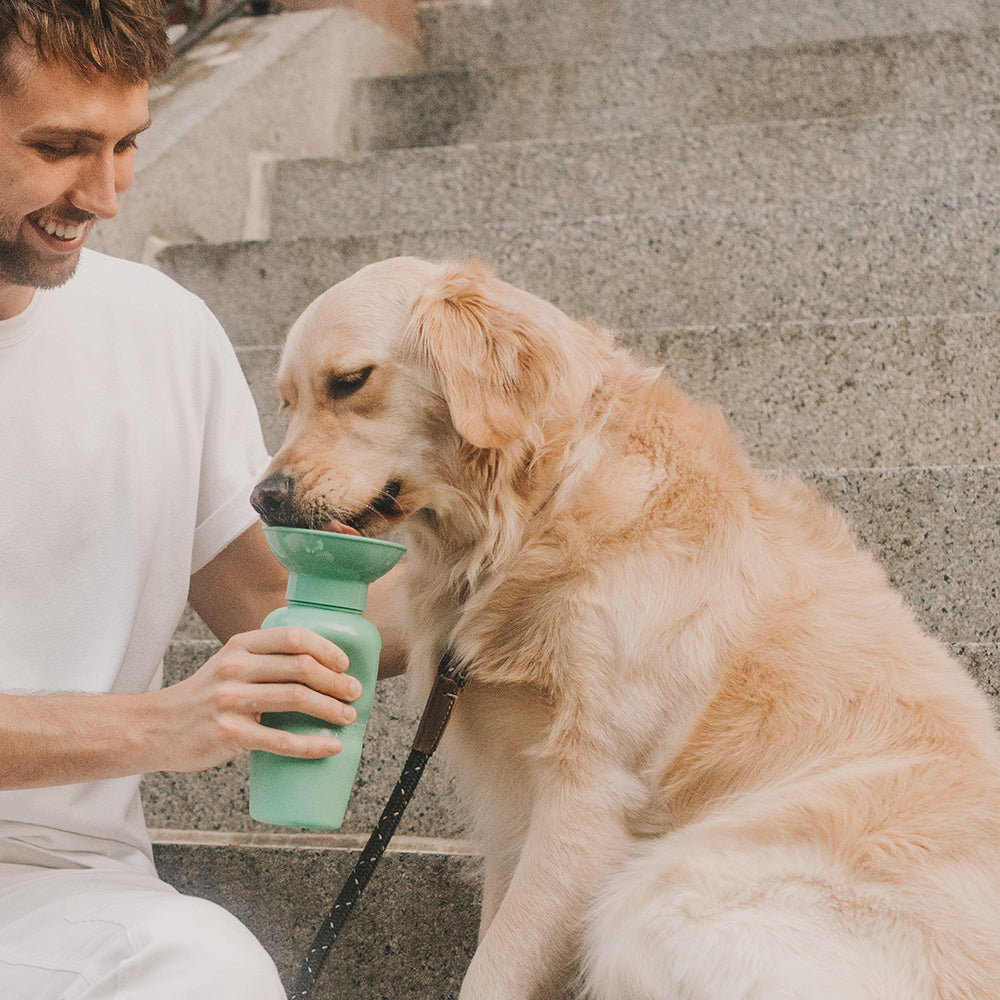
(129, 445)
(66, 153)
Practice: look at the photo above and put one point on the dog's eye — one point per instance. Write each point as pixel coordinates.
(340, 385)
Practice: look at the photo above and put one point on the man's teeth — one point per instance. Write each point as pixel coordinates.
(63, 230)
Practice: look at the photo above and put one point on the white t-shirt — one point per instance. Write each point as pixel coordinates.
(129, 444)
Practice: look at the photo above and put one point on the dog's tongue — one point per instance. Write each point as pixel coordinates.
(339, 528)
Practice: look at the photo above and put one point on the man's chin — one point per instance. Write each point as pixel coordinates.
(18, 266)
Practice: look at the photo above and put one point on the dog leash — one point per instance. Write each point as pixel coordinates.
(448, 683)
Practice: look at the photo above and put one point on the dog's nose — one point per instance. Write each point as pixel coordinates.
(272, 498)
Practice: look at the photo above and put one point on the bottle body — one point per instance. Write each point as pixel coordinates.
(313, 794)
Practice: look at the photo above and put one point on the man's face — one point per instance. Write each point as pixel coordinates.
(67, 146)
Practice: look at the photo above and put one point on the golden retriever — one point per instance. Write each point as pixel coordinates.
(707, 750)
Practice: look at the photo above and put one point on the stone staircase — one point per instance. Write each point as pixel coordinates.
(794, 207)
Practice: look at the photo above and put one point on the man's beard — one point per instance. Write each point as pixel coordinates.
(18, 266)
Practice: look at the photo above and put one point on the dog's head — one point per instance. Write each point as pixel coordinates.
(406, 381)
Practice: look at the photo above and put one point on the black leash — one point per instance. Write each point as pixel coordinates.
(449, 682)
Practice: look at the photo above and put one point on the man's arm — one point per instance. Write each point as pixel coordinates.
(384, 611)
(239, 587)
(204, 720)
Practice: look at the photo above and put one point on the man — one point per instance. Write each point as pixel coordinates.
(128, 448)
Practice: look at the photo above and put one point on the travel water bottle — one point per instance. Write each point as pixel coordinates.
(328, 578)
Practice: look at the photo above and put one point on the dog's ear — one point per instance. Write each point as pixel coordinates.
(499, 353)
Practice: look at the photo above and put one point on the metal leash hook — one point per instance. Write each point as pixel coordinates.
(449, 682)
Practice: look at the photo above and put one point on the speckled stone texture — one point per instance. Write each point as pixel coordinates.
(805, 261)
(515, 32)
(648, 92)
(411, 934)
(677, 170)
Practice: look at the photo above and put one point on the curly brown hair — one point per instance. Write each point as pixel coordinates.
(124, 38)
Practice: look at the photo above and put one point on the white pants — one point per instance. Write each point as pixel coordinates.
(115, 935)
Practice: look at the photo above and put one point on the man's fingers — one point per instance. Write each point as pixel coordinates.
(285, 744)
(276, 670)
(259, 699)
(267, 670)
(289, 640)
(242, 733)
(290, 656)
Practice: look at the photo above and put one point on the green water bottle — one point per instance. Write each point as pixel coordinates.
(328, 583)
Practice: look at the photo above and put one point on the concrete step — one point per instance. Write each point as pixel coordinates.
(845, 394)
(937, 533)
(871, 159)
(520, 31)
(841, 394)
(935, 530)
(412, 934)
(768, 263)
(581, 95)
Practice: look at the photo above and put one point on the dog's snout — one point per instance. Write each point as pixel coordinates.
(272, 498)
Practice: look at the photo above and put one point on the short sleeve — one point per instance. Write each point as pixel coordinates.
(234, 455)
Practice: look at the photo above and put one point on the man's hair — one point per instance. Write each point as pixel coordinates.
(126, 39)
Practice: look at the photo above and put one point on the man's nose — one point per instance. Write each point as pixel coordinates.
(100, 181)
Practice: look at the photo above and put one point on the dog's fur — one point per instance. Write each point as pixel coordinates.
(708, 752)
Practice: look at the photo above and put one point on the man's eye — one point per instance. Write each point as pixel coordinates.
(51, 152)
(340, 386)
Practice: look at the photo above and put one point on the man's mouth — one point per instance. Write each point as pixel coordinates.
(61, 232)
(64, 230)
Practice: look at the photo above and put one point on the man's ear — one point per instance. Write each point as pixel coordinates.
(495, 360)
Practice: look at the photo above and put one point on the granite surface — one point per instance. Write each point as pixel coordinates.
(868, 159)
(515, 32)
(607, 93)
(799, 262)
(411, 934)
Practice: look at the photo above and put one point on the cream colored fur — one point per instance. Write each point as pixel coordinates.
(708, 751)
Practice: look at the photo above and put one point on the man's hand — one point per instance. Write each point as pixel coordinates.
(214, 715)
